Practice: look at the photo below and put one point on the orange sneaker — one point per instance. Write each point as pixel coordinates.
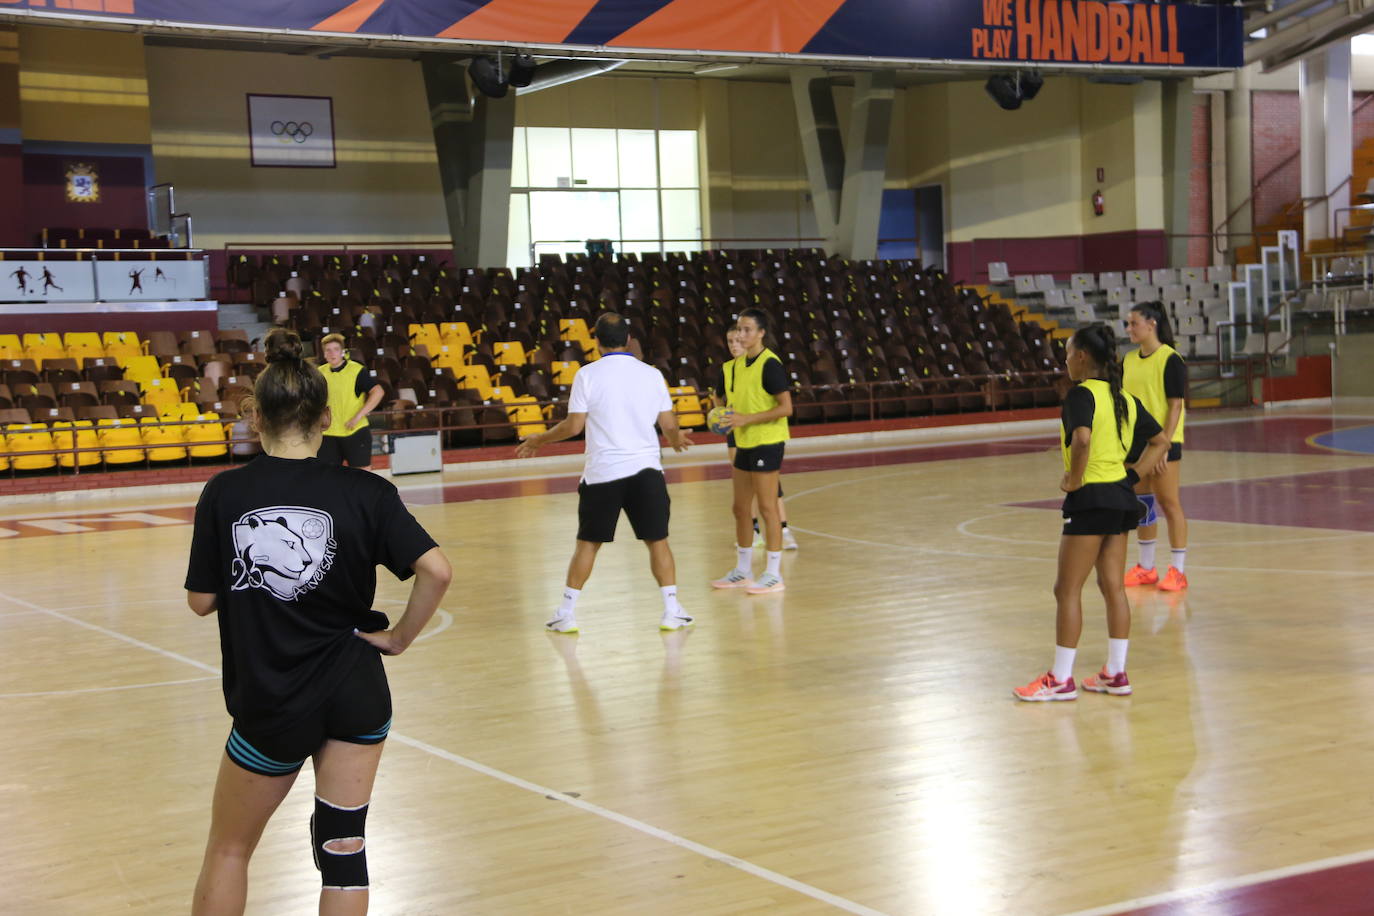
(1139, 575)
(1118, 685)
(1174, 581)
(1046, 689)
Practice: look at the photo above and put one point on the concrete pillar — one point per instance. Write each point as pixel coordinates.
(1239, 163)
(1339, 134)
(822, 147)
(1216, 253)
(473, 137)
(1178, 166)
(1327, 151)
(718, 192)
(870, 128)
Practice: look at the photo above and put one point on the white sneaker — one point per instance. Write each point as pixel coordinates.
(789, 541)
(562, 623)
(758, 539)
(735, 578)
(767, 583)
(676, 620)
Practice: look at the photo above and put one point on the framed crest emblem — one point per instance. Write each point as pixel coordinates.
(83, 183)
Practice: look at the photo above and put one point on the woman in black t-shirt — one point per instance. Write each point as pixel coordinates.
(286, 549)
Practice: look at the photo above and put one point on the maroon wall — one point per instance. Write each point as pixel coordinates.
(13, 230)
(122, 193)
(1060, 255)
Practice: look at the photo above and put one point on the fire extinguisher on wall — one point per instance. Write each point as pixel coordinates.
(1099, 203)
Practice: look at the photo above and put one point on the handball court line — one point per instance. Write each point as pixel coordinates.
(800, 887)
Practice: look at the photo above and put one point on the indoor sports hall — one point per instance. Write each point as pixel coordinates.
(929, 211)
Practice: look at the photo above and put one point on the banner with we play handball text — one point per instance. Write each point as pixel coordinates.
(1121, 34)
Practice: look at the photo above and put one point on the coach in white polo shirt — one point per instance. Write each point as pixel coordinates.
(617, 400)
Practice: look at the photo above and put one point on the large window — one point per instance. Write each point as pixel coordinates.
(639, 188)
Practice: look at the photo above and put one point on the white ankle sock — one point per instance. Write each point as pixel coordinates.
(1147, 554)
(1116, 655)
(1179, 558)
(1063, 663)
(670, 599)
(745, 560)
(774, 563)
(569, 602)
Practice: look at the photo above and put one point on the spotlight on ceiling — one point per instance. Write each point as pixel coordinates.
(521, 70)
(486, 75)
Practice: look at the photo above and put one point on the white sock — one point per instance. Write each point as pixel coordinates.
(1147, 554)
(1063, 663)
(1179, 558)
(774, 563)
(670, 604)
(745, 562)
(1116, 655)
(565, 607)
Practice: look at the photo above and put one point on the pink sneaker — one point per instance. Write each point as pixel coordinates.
(767, 584)
(1118, 685)
(1046, 689)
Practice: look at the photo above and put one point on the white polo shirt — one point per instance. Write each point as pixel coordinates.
(622, 398)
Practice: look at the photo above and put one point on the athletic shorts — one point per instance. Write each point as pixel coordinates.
(359, 713)
(355, 450)
(1175, 451)
(760, 458)
(643, 497)
(1101, 521)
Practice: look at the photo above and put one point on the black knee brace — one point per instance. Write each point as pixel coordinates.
(339, 870)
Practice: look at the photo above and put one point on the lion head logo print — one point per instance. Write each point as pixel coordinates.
(284, 549)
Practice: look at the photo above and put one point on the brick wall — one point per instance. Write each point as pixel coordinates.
(1200, 185)
(1275, 132)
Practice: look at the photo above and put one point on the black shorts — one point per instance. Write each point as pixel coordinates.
(730, 439)
(643, 496)
(760, 458)
(1101, 521)
(355, 450)
(359, 712)
(1175, 451)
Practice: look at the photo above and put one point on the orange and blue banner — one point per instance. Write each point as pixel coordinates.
(1105, 32)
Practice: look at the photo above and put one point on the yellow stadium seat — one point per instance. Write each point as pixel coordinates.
(426, 335)
(164, 440)
(40, 347)
(160, 393)
(115, 433)
(574, 329)
(11, 347)
(456, 333)
(502, 393)
(84, 432)
(508, 353)
(207, 439)
(179, 411)
(564, 370)
(22, 438)
(475, 377)
(141, 369)
(447, 356)
(525, 416)
(83, 345)
(121, 345)
(591, 353)
(4, 451)
(688, 406)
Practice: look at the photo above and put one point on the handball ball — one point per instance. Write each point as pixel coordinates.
(716, 420)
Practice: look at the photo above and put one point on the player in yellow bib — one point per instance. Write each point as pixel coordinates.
(353, 394)
(1155, 374)
(1102, 429)
(758, 393)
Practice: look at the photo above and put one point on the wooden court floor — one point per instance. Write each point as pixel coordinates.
(848, 745)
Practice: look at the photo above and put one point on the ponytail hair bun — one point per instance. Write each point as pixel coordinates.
(283, 345)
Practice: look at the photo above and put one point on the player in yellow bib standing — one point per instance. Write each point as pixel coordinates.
(758, 393)
(1155, 374)
(353, 394)
(1102, 428)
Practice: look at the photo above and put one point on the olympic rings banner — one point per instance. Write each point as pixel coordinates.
(1135, 35)
(291, 131)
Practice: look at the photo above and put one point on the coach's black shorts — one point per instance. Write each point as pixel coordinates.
(1101, 521)
(354, 449)
(1175, 451)
(359, 713)
(644, 497)
(761, 458)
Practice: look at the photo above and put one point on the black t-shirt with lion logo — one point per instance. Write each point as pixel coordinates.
(291, 547)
